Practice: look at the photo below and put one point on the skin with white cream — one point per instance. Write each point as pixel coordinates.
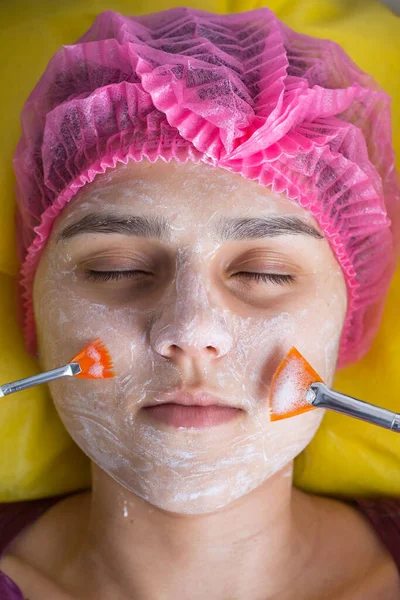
(201, 511)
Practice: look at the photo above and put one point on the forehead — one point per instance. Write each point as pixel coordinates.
(191, 192)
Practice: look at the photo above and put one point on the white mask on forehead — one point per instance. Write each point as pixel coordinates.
(227, 348)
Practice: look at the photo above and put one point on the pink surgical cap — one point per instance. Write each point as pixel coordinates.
(241, 92)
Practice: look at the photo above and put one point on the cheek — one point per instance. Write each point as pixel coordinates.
(261, 345)
(322, 330)
(66, 323)
(317, 338)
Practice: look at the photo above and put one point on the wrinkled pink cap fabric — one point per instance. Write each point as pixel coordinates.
(241, 92)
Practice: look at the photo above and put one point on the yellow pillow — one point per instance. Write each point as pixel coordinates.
(37, 457)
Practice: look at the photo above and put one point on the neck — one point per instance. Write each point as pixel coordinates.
(245, 550)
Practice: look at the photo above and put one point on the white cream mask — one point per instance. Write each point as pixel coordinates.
(192, 317)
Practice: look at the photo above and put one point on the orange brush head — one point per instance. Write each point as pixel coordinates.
(95, 361)
(289, 387)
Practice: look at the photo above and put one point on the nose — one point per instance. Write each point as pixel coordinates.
(190, 325)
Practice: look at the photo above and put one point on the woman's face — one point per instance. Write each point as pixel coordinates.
(179, 306)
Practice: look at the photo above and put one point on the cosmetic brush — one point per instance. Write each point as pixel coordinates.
(296, 388)
(93, 362)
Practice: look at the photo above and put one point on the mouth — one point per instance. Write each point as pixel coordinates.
(191, 410)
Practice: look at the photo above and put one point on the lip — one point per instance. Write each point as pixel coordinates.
(186, 398)
(198, 417)
(191, 410)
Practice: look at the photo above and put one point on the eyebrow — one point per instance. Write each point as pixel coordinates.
(157, 227)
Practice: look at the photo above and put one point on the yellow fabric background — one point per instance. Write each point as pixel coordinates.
(37, 457)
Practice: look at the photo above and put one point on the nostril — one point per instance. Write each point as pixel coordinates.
(212, 349)
(190, 349)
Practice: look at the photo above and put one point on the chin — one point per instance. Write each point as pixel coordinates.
(201, 501)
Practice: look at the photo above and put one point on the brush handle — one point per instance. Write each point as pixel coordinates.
(22, 384)
(347, 405)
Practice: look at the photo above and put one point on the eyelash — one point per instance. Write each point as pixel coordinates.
(104, 276)
(278, 278)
